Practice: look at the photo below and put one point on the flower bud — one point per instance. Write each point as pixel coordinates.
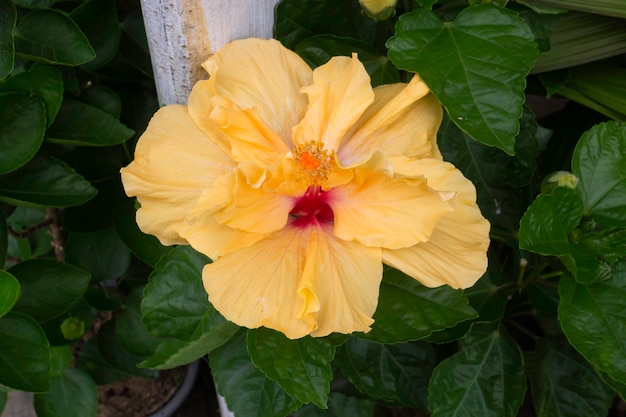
(558, 179)
(379, 9)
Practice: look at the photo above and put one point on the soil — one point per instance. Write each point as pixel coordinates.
(137, 396)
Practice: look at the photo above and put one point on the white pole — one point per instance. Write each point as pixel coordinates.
(184, 33)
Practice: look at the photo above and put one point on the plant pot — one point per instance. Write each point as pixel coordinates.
(181, 394)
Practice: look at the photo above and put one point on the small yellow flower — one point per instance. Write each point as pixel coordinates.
(299, 184)
(379, 9)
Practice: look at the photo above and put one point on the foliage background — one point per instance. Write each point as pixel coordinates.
(86, 298)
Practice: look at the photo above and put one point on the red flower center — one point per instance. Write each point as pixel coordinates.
(312, 208)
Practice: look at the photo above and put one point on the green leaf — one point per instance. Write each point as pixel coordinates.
(10, 291)
(8, 18)
(22, 126)
(34, 4)
(4, 239)
(175, 306)
(79, 311)
(482, 92)
(90, 360)
(593, 316)
(4, 398)
(609, 243)
(42, 80)
(397, 374)
(317, 50)
(99, 22)
(24, 354)
(599, 162)
(101, 253)
(81, 124)
(45, 182)
(131, 333)
(545, 226)
(485, 378)
(60, 359)
(49, 288)
(339, 405)
(71, 394)
(247, 391)
(301, 367)
(116, 355)
(409, 311)
(104, 98)
(564, 385)
(143, 246)
(48, 35)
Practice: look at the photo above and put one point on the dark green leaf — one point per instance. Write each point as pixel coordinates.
(609, 243)
(98, 21)
(134, 43)
(397, 374)
(49, 288)
(104, 98)
(545, 226)
(24, 354)
(318, 50)
(541, 24)
(42, 80)
(480, 76)
(131, 333)
(4, 239)
(97, 213)
(101, 253)
(101, 299)
(176, 307)
(10, 291)
(247, 391)
(301, 367)
(116, 355)
(60, 359)
(45, 182)
(409, 311)
(85, 125)
(564, 385)
(90, 360)
(71, 394)
(599, 161)
(339, 405)
(485, 378)
(8, 17)
(593, 317)
(34, 4)
(80, 311)
(22, 126)
(49, 35)
(143, 246)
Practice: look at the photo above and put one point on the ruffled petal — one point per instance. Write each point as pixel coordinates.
(257, 74)
(340, 93)
(174, 162)
(298, 281)
(456, 252)
(381, 211)
(402, 120)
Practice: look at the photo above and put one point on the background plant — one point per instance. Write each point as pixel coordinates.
(543, 329)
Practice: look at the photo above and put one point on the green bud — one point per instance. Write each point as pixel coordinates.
(72, 328)
(558, 179)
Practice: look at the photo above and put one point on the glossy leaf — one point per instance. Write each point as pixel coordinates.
(104, 98)
(593, 316)
(24, 354)
(599, 162)
(409, 311)
(480, 78)
(143, 246)
(45, 182)
(4, 239)
(485, 378)
(71, 394)
(23, 122)
(301, 367)
(50, 36)
(8, 17)
(49, 288)
(318, 50)
(131, 333)
(397, 374)
(98, 21)
(609, 243)
(10, 291)
(565, 385)
(545, 226)
(339, 405)
(247, 391)
(116, 355)
(176, 307)
(60, 360)
(81, 124)
(101, 253)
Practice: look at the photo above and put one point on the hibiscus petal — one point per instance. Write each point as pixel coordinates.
(402, 120)
(456, 252)
(174, 162)
(340, 93)
(380, 211)
(256, 74)
(297, 281)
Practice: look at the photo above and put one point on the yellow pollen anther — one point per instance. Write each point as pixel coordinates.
(314, 163)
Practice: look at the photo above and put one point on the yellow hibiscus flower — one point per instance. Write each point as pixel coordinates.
(377, 7)
(300, 183)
